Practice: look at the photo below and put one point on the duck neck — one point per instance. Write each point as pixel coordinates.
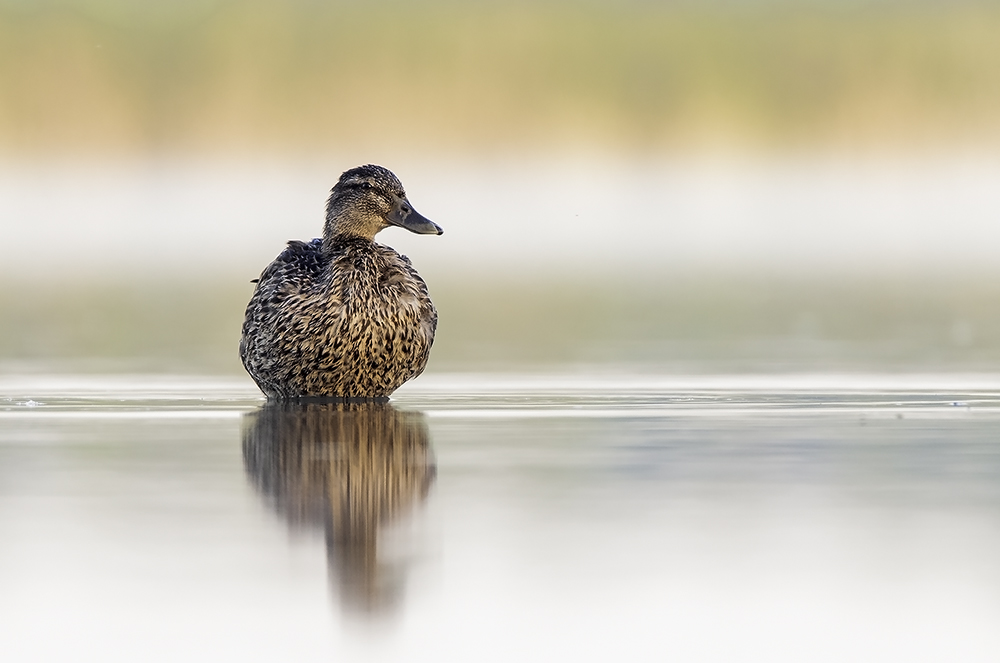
(345, 227)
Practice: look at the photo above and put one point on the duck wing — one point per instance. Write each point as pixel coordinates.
(294, 272)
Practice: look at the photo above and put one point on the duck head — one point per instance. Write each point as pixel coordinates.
(368, 199)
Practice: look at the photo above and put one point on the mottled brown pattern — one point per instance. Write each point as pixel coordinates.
(343, 316)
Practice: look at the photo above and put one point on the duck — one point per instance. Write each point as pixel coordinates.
(343, 317)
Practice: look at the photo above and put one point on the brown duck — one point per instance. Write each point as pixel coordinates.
(343, 317)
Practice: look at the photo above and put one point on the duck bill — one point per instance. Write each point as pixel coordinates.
(414, 222)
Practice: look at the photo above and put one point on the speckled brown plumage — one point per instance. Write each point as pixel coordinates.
(343, 316)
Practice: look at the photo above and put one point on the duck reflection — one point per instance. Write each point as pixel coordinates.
(350, 468)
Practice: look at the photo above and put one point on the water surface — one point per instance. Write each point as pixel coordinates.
(498, 517)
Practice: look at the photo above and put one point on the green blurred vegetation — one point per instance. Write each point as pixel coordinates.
(304, 76)
(676, 324)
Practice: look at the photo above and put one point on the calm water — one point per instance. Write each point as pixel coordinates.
(488, 517)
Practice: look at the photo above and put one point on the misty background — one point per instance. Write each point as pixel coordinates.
(721, 186)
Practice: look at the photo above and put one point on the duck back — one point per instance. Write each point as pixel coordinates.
(351, 320)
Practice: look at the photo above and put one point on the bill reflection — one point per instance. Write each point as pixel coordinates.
(351, 469)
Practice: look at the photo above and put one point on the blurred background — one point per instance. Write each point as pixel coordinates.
(717, 186)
